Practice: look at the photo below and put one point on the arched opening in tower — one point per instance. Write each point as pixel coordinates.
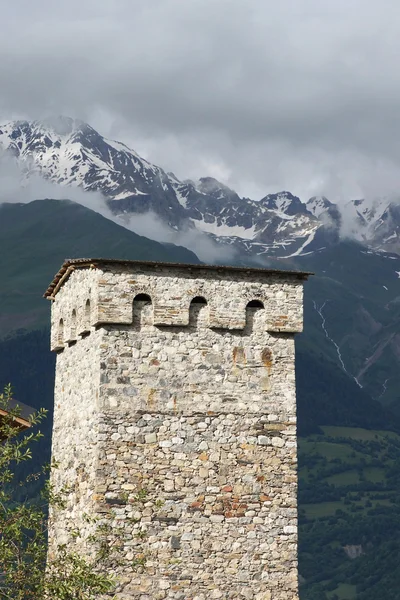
(198, 312)
(142, 310)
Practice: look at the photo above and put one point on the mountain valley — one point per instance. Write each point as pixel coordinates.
(347, 357)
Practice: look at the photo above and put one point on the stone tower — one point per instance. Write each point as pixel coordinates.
(175, 425)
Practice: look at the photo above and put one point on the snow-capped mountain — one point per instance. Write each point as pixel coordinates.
(376, 222)
(70, 152)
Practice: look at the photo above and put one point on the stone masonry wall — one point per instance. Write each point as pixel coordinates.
(75, 439)
(187, 429)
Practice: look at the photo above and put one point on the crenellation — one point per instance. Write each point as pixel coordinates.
(75, 307)
(112, 297)
(175, 421)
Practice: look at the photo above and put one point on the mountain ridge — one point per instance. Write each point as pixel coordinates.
(70, 152)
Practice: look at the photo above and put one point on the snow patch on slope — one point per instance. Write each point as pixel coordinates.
(303, 246)
(223, 230)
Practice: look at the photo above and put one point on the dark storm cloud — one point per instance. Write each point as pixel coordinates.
(265, 95)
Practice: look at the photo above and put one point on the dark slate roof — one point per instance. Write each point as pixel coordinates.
(71, 263)
(22, 419)
(25, 411)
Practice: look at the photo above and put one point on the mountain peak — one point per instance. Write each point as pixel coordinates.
(57, 125)
(284, 202)
(210, 184)
(318, 205)
(64, 126)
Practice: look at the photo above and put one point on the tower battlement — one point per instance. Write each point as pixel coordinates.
(92, 293)
(178, 382)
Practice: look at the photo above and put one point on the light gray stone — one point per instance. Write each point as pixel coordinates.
(278, 442)
(264, 440)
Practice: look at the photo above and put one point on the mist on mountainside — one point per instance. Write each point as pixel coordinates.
(20, 183)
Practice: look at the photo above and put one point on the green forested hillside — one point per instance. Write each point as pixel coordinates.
(357, 292)
(349, 514)
(35, 239)
(327, 396)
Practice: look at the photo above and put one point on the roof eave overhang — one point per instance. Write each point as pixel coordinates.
(70, 265)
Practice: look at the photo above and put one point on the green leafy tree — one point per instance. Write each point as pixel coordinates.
(23, 526)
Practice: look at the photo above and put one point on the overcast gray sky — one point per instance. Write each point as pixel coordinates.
(297, 94)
